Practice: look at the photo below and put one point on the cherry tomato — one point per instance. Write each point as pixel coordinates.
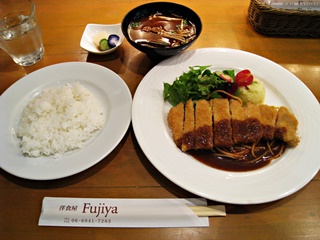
(243, 78)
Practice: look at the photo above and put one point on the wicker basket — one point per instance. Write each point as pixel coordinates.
(281, 22)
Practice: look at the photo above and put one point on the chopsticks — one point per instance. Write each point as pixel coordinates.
(209, 211)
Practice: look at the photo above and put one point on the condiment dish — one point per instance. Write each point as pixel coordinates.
(93, 29)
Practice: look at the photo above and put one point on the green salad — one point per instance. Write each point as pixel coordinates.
(202, 83)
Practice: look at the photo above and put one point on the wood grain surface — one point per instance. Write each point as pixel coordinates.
(126, 172)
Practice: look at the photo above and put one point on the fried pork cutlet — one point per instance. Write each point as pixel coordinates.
(175, 121)
(188, 139)
(255, 129)
(203, 126)
(268, 120)
(239, 116)
(286, 127)
(223, 123)
(222, 129)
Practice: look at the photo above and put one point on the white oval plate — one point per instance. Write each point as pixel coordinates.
(279, 179)
(92, 29)
(107, 86)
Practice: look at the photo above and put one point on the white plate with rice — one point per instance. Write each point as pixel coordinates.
(108, 89)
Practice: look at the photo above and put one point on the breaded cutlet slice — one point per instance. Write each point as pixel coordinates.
(286, 127)
(239, 116)
(203, 126)
(255, 129)
(188, 139)
(222, 129)
(268, 120)
(175, 121)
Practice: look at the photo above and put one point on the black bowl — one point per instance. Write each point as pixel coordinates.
(163, 8)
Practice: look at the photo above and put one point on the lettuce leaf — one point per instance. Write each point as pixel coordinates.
(198, 83)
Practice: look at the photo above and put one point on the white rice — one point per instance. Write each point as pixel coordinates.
(59, 120)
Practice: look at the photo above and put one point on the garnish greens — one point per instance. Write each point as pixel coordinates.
(199, 83)
(135, 24)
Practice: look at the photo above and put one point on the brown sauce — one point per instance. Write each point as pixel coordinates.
(161, 31)
(248, 162)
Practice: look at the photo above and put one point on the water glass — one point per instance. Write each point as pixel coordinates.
(20, 33)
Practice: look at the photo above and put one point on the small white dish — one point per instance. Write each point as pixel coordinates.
(92, 29)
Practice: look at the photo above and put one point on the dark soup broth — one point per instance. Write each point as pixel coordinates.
(160, 30)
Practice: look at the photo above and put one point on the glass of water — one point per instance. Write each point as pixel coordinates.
(20, 33)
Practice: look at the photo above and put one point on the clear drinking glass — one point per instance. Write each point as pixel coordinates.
(20, 33)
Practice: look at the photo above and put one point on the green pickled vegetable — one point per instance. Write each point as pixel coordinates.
(103, 44)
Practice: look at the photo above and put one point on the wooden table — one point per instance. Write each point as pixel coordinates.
(126, 172)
